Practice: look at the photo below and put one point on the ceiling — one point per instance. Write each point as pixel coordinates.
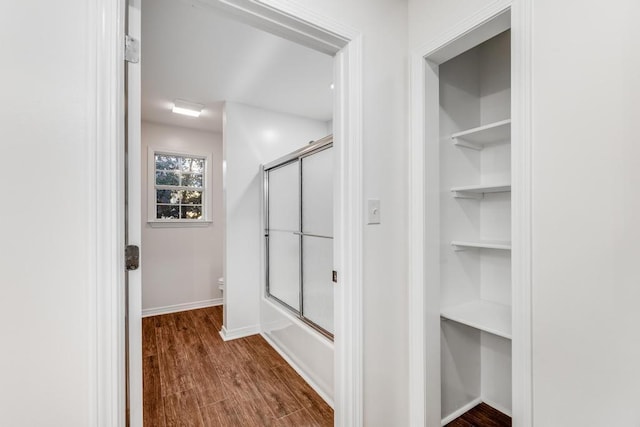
(198, 54)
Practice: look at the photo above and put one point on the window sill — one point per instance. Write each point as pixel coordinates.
(176, 223)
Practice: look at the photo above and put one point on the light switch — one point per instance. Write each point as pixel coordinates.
(373, 211)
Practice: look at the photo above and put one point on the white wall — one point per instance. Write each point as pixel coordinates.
(586, 207)
(46, 240)
(252, 137)
(585, 174)
(181, 265)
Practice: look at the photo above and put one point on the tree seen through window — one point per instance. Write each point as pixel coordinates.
(179, 186)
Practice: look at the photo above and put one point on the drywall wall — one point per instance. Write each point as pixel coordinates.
(46, 235)
(585, 207)
(585, 213)
(252, 137)
(181, 265)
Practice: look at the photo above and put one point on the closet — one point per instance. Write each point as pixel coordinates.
(474, 155)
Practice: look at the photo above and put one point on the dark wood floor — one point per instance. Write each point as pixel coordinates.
(193, 378)
(482, 415)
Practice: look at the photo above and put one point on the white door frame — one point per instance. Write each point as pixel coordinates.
(299, 24)
(424, 310)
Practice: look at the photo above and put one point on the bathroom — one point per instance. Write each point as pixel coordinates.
(239, 99)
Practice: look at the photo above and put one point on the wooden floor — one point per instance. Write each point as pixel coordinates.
(482, 415)
(193, 378)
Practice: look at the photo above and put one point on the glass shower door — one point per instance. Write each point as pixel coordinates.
(317, 238)
(283, 234)
(299, 233)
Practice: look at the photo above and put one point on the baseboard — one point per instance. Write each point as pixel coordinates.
(498, 407)
(234, 334)
(462, 410)
(296, 367)
(147, 312)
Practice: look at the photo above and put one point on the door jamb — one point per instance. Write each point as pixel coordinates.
(108, 275)
(299, 24)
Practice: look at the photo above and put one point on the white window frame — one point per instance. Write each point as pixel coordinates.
(151, 190)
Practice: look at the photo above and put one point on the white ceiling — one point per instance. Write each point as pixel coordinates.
(199, 55)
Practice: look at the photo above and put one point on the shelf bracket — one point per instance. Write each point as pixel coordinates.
(462, 143)
(467, 195)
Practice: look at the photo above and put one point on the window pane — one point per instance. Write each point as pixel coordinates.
(192, 197)
(167, 178)
(192, 165)
(192, 180)
(168, 196)
(192, 212)
(167, 212)
(166, 162)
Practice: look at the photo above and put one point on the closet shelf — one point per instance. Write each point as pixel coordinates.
(478, 191)
(477, 138)
(483, 315)
(484, 244)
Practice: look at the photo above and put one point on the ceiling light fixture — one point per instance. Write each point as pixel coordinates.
(187, 108)
(331, 86)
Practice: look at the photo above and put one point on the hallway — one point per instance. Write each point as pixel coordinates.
(193, 378)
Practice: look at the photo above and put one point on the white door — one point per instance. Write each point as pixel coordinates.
(133, 234)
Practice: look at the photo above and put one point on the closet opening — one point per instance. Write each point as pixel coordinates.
(469, 235)
(475, 228)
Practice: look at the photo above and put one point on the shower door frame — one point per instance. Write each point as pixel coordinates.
(297, 156)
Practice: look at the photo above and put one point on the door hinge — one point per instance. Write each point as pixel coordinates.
(131, 49)
(334, 276)
(132, 257)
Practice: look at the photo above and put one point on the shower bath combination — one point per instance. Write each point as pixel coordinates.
(298, 218)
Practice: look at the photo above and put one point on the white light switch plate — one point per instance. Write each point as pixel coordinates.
(373, 211)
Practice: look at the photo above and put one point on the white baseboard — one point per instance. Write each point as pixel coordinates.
(462, 410)
(299, 370)
(234, 334)
(181, 307)
(498, 407)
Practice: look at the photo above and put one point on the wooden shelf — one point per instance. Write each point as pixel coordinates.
(483, 244)
(478, 191)
(483, 315)
(477, 138)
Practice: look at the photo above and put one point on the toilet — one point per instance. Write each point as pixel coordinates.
(221, 286)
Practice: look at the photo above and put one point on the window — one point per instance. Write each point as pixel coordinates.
(178, 188)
